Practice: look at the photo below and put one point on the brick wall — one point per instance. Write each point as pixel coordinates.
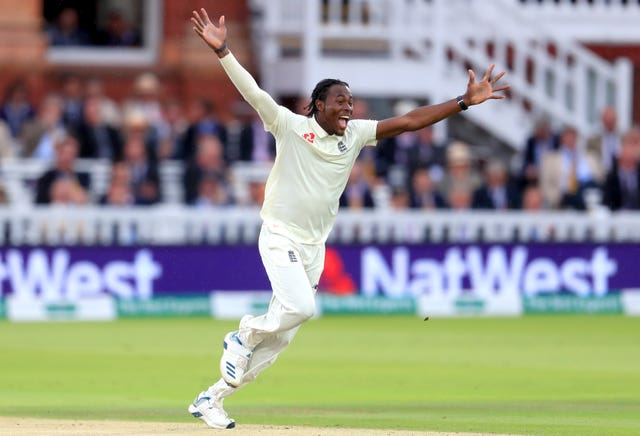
(186, 66)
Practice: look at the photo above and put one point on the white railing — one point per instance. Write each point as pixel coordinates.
(168, 225)
(422, 49)
(19, 176)
(547, 74)
(598, 21)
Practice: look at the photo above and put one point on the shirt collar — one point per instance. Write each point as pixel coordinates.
(317, 129)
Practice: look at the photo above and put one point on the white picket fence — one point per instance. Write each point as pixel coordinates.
(173, 224)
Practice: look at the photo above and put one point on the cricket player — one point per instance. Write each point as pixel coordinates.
(314, 155)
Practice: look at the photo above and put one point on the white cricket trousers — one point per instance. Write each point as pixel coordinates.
(294, 271)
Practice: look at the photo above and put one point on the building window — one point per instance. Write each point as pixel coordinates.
(103, 32)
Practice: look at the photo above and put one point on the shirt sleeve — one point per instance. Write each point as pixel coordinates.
(366, 132)
(262, 102)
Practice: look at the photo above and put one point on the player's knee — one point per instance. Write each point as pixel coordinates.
(306, 310)
(308, 313)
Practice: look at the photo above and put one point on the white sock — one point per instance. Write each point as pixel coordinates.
(220, 389)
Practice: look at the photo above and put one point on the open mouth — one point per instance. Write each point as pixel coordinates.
(342, 121)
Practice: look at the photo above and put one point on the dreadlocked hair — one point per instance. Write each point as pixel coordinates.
(320, 93)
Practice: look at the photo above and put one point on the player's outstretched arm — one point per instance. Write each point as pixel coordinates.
(216, 38)
(477, 92)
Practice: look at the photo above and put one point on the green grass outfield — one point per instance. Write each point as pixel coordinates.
(535, 375)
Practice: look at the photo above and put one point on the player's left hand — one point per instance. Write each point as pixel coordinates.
(485, 89)
(214, 36)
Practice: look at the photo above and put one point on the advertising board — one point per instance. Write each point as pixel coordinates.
(436, 279)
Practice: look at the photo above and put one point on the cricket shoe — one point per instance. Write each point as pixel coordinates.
(209, 409)
(235, 359)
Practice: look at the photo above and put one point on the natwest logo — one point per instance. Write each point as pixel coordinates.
(495, 271)
(54, 277)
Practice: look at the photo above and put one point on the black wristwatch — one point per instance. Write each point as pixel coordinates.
(461, 103)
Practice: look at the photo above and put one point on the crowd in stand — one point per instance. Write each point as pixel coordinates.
(556, 170)
(117, 31)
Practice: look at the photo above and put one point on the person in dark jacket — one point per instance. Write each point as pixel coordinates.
(622, 185)
(497, 191)
(97, 138)
(66, 153)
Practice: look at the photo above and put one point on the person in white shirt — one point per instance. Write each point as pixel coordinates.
(314, 155)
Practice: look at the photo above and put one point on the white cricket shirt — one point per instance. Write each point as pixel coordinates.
(311, 167)
(309, 174)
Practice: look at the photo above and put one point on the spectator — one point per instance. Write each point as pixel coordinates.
(567, 172)
(136, 127)
(256, 192)
(497, 192)
(16, 109)
(423, 194)
(360, 109)
(212, 192)
(146, 98)
(97, 138)
(145, 103)
(39, 135)
(399, 198)
(622, 185)
(145, 177)
(460, 197)
(65, 31)
(542, 140)
(426, 152)
(119, 192)
(357, 194)
(533, 202)
(392, 159)
(605, 146)
(67, 191)
(255, 144)
(300, 106)
(399, 157)
(208, 162)
(72, 101)
(202, 121)
(393, 154)
(110, 112)
(118, 32)
(66, 153)
(176, 125)
(460, 170)
(118, 195)
(532, 199)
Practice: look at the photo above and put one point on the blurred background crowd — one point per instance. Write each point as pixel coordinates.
(556, 170)
(76, 126)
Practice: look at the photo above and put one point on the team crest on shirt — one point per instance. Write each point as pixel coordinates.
(309, 137)
(342, 147)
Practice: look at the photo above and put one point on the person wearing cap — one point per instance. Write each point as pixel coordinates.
(459, 169)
